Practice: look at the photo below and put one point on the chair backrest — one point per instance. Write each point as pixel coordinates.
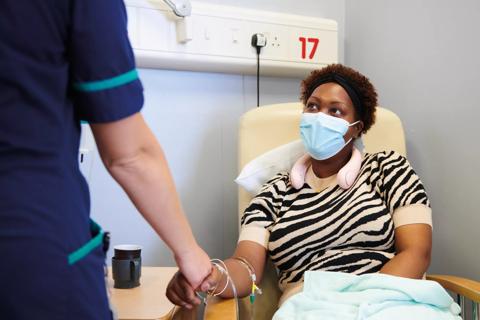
(267, 127)
(270, 126)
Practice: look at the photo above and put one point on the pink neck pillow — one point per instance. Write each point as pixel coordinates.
(345, 177)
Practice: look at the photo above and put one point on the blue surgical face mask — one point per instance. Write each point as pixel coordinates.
(322, 134)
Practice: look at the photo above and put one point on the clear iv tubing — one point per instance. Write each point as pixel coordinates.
(218, 262)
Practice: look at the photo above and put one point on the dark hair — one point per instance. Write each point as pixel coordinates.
(358, 87)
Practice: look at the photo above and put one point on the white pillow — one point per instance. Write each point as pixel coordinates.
(264, 167)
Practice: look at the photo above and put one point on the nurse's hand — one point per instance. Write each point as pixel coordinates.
(194, 265)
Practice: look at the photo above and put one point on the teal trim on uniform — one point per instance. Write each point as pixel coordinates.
(83, 122)
(88, 247)
(114, 82)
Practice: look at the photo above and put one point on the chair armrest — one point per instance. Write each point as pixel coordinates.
(465, 287)
(265, 304)
(216, 309)
(220, 309)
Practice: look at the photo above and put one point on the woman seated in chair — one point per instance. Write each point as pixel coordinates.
(381, 223)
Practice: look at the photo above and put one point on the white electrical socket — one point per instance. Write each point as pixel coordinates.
(275, 47)
(274, 41)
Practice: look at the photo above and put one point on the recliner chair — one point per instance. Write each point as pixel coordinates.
(267, 127)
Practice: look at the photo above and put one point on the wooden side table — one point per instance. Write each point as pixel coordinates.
(146, 302)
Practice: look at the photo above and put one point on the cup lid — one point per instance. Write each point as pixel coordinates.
(127, 247)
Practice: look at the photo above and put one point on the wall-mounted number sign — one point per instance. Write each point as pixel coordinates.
(313, 47)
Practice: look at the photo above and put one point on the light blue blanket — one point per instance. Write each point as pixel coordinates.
(342, 296)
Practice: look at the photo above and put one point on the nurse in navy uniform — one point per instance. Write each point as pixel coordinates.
(62, 62)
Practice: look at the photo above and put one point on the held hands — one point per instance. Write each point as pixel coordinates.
(181, 293)
(194, 265)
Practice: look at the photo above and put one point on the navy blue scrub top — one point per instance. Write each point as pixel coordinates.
(61, 61)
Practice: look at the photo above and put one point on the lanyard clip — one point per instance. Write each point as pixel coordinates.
(106, 241)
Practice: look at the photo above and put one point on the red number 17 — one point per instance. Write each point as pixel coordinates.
(315, 42)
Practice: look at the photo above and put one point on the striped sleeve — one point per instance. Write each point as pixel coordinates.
(402, 190)
(104, 81)
(262, 211)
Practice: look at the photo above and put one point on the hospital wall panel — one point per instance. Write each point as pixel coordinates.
(423, 58)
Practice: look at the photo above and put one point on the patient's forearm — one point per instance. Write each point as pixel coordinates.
(240, 277)
(254, 255)
(408, 264)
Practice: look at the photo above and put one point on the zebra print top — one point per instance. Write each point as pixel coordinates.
(335, 230)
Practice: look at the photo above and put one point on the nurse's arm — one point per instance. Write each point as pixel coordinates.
(134, 158)
(413, 245)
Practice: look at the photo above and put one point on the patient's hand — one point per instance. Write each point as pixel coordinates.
(180, 292)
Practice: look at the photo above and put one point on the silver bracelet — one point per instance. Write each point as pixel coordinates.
(220, 265)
